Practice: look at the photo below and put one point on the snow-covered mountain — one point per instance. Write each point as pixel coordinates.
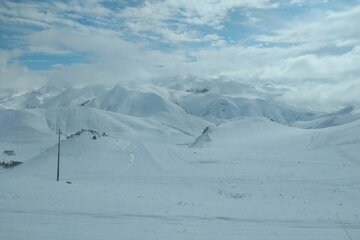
(185, 159)
(213, 101)
(177, 112)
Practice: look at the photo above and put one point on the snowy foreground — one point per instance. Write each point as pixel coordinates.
(254, 179)
(162, 173)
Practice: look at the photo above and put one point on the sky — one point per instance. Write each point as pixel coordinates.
(311, 47)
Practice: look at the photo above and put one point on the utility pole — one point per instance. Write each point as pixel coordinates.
(58, 162)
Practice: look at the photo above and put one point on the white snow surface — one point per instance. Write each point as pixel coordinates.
(166, 162)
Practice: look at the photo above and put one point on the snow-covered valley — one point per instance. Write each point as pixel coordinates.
(177, 162)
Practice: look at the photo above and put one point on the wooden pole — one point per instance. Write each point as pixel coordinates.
(58, 162)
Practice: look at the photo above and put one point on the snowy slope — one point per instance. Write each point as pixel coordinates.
(26, 132)
(213, 106)
(29, 132)
(133, 102)
(255, 178)
(343, 116)
(148, 105)
(32, 99)
(163, 171)
(84, 156)
(74, 97)
(119, 125)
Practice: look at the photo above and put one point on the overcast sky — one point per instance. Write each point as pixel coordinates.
(311, 46)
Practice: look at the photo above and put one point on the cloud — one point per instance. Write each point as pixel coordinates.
(335, 27)
(304, 2)
(39, 15)
(96, 41)
(110, 58)
(173, 38)
(175, 20)
(14, 75)
(324, 96)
